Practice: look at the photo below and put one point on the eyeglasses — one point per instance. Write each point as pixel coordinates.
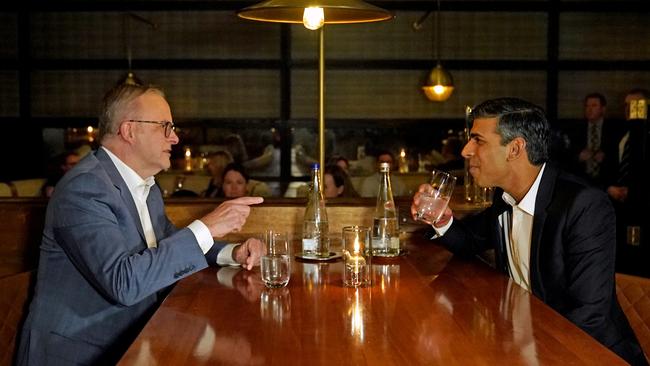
(167, 125)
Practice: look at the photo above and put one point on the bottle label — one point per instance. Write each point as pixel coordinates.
(379, 242)
(394, 243)
(309, 244)
(385, 243)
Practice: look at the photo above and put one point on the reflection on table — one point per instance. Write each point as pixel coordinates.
(425, 308)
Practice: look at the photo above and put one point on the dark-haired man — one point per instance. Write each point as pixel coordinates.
(552, 233)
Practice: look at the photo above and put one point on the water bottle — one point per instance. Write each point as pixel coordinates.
(385, 230)
(315, 241)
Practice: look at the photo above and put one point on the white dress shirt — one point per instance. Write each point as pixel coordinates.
(139, 189)
(519, 228)
(519, 225)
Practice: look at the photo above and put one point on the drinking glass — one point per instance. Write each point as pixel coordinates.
(357, 256)
(433, 201)
(275, 263)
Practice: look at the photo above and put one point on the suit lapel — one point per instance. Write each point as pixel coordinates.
(498, 208)
(119, 183)
(156, 208)
(542, 201)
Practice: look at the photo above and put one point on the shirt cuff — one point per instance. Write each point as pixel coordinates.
(202, 234)
(224, 258)
(440, 231)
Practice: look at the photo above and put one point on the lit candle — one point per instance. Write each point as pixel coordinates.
(188, 159)
(356, 261)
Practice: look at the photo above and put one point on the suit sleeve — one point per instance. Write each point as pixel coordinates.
(91, 225)
(590, 246)
(469, 236)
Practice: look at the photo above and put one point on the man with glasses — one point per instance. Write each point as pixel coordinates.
(108, 250)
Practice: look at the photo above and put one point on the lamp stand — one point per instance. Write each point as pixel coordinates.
(321, 100)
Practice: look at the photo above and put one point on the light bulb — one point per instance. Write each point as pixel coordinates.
(438, 89)
(313, 18)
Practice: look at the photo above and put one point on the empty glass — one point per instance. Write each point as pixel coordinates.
(433, 201)
(275, 263)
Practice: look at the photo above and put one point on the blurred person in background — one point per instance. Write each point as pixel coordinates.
(63, 163)
(217, 162)
(370, 184)
(337, 183)
(235, 179)
(594, 142)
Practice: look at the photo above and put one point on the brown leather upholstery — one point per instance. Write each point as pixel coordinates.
(16, 291)
(634, 296)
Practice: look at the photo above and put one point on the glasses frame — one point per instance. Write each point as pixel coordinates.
(168, 126)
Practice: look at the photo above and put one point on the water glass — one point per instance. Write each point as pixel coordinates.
(433, 201)
(275, 263)
(357, 256)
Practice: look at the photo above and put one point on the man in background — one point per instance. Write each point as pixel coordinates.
(595, 140)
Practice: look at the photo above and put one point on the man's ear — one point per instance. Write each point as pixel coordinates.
(516, 148)
(126, 130)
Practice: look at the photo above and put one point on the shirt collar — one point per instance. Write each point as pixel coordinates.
(137, 186)
(527, 204)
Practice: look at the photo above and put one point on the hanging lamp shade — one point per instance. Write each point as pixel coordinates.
(334, 11)
(439, 84)
(130, 79)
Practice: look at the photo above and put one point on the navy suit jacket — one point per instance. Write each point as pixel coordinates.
(611, 133)
(572, 256)
(97, 282)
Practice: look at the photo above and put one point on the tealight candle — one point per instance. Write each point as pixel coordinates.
(355, 256)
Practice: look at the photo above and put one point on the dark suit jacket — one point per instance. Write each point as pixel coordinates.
(572, 255)
(612, 131)
(98, 283)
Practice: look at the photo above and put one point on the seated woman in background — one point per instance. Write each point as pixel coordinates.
(235, 180)
(337, 183)
(236, 183)
(217, 162)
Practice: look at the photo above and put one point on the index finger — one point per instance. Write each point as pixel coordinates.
(247, 200)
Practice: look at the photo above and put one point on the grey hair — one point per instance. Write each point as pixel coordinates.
(117, 102)
(518, 118)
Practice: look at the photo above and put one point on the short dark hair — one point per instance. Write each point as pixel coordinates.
(236, 167)
(518, 118)
(598, 96)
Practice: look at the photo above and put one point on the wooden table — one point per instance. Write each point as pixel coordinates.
(425, 308)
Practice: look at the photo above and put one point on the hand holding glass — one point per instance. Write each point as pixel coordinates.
(434, 199)
(275, 263)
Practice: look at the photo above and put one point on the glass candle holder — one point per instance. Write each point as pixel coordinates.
(357, 256)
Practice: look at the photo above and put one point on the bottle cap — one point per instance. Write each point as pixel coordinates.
(315, 166)
(384, 167)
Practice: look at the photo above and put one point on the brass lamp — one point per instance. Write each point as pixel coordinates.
(439, 84)
(314, 14)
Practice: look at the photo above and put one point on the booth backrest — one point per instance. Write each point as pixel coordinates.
(16, 291)
(633, 294)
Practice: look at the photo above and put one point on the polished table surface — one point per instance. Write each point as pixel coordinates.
(424, 308)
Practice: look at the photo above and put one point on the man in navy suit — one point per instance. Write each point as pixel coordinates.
(593, 147)
(108, 249)
(552, 233)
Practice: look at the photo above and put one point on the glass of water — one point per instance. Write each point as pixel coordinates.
(433, 201)
(275, 264)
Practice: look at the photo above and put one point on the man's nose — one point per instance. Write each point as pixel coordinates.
(468, 150)
(173, 138)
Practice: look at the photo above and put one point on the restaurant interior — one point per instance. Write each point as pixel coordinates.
(279, 97)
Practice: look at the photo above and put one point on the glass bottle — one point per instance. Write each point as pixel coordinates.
(385, 229)
(315, 240)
